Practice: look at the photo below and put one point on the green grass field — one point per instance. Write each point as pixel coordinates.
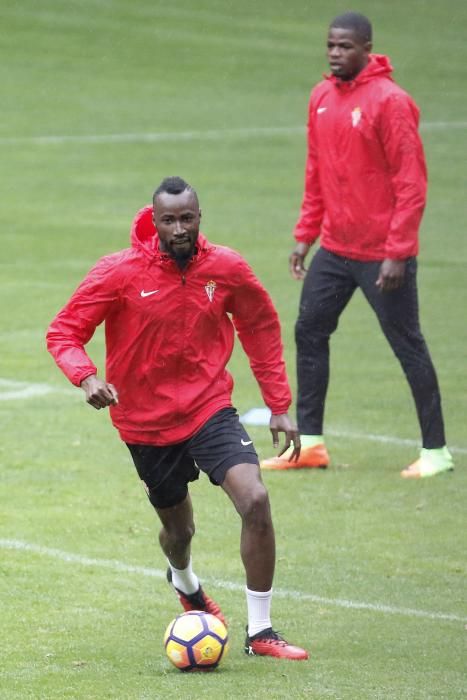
(100, 100)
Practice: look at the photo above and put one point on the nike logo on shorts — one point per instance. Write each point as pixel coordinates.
(246, 442)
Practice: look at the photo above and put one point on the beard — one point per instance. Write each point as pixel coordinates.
(182, 257)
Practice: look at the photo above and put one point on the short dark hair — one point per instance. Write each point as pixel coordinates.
(356, 22)
(173, 185)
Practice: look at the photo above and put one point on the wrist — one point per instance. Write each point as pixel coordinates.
(86, 380)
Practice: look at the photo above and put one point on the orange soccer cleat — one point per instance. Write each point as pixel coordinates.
(315, 457)
(270, 643)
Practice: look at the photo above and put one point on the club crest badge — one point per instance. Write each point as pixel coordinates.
(356, 116)
(210, 289)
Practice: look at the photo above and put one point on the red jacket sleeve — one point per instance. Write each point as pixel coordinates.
(406, 162)
(75, 324)
(308, 226)
(258, 328)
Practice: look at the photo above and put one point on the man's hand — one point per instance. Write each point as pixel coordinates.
(99, 394)
(391, 275)
(297, 261)
(282, 423)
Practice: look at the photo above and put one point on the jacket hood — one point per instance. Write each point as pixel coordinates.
(378, 66)
(143, 235)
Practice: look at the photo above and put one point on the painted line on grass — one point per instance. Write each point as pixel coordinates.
(261, 416)
(115, 565)
(11, 390)
(196, 135)
(155, 137)
(388, 439)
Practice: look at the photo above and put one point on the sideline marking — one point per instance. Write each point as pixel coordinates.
(260, 417)
(198, 135)
(256, 416)
(386, 439)
(19, 545)
(11, 390)
(155, 137)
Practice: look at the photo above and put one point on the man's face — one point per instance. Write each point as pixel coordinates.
(177, 217)
(347, 53)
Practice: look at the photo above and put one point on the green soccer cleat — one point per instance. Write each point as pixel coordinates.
(430, 463)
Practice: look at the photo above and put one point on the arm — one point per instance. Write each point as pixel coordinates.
(75, 324)
(308, 226)
(258, 329)
(403, 150)
(406, 162)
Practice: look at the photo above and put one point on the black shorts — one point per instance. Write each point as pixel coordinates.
(220, 444)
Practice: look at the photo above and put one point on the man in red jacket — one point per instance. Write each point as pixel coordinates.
(365, 190)
(171, 304)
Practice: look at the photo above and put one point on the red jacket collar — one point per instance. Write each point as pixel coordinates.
(378, 66)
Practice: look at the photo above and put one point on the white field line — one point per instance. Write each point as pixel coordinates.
(389, 439)
(121, 567)
(197, 135)
(155, 137)
(11, 390)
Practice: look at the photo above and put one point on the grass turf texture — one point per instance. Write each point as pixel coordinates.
(355, 534)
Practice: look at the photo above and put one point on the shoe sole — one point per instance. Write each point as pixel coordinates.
(299, 657)
(406, 474)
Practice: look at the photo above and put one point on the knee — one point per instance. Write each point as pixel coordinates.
(302, 336)
(410, 348)
(309, 334)
(179, 537)
(256, 511)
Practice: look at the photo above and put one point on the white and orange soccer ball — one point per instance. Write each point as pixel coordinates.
(196, 640)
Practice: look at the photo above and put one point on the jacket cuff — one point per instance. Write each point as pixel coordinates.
(308, 237)
(278, 411)
(78, 377)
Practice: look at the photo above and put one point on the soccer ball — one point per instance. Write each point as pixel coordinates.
(196, 640)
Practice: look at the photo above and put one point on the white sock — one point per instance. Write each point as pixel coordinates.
(259, 610)
(184, 579)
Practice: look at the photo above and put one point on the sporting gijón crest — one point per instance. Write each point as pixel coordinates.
(210, 289)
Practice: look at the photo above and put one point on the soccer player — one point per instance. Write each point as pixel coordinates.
(365, 188)
(171, 305)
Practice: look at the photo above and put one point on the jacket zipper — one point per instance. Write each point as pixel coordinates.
(183, 333)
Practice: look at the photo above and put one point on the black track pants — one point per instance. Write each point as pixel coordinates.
(328, 287)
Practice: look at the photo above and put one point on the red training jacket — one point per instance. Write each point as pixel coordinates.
(365, 181)
(169, 335)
